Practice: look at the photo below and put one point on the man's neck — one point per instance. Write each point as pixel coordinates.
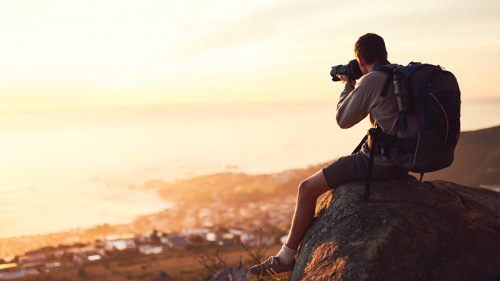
(377, 65)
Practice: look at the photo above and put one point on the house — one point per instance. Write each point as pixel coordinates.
(17, 274)
(150, 249)
(178, 243)
(54, 266)
(31, 260)
(120, 243)
(143, 237)
(121, 246)
(6, 267)
(85, 257)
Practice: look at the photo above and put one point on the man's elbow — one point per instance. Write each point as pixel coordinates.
(342, 123)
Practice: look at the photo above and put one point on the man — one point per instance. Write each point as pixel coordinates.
(356, 102)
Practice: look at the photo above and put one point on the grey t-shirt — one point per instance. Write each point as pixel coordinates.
(365, 99)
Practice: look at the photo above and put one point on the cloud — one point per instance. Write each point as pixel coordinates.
(258, 25)
(332, 21)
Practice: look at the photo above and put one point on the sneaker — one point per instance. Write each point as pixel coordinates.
(272, 268)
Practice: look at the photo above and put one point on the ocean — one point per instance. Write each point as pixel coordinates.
(74, 167)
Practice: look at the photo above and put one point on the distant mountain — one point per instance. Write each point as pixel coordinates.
(477, 159)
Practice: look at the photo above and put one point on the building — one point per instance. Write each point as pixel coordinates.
(120, 243)
(54, 266)
(143, 238)
(32, 260)
(150, 249)
(178, 243)
(85, 257)
(121, 246)
(7, 267)
(17, 274)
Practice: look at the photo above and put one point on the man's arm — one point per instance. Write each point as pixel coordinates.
(356, 101)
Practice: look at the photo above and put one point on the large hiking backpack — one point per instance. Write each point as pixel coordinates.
(429, 120)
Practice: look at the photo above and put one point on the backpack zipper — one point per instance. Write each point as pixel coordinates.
(416, 149)
(445, 115)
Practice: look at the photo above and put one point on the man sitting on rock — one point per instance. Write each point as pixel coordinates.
(357, 100)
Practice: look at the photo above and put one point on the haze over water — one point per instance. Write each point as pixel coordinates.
(74, 168)
(88, 92)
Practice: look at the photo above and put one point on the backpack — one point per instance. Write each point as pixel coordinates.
(429, 120)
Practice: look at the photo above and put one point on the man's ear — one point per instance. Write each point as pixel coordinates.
(361, 62)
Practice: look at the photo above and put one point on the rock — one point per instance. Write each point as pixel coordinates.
(408, 231)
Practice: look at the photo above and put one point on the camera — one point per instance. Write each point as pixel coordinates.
(351, 69)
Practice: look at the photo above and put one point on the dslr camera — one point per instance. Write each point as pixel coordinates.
(351, 69)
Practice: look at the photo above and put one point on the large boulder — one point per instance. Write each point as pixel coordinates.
(409, 230)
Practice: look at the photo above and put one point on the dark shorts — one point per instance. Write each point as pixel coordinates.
(354, 168)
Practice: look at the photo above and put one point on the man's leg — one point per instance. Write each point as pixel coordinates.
(345, 169)
(308, 192)
(341, 170)
(282, 264)
(307, 195)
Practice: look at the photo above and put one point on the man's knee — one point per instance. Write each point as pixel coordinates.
(311, 189)
(304, 187)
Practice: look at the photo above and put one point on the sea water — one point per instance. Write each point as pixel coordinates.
(74, 167)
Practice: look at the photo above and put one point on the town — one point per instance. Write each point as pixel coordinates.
(190, 224)
(211, 211)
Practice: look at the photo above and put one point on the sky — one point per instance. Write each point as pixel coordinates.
(107, 52)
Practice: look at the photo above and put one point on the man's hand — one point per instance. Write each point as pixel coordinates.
(344, 79)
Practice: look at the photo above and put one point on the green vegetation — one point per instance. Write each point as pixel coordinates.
(231, 189)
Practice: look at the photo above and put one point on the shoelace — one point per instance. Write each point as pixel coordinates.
(271, 261)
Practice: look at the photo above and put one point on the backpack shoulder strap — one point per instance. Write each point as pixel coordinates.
(389, 71)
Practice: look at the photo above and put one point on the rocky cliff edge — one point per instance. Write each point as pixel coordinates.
(409, 230)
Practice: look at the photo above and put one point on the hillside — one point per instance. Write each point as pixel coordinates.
(477, 162)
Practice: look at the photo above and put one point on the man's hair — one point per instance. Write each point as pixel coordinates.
(371, 48)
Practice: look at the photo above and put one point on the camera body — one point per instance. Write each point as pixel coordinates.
(351, 69)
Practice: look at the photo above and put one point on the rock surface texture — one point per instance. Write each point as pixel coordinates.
(409, 230)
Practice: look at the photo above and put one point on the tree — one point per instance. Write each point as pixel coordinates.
(196, 240)
(154, 237)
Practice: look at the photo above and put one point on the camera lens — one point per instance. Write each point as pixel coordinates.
(338, 69)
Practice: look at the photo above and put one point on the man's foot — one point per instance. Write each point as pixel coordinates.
(272, 268)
